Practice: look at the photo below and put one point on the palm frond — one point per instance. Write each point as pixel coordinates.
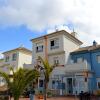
(48, 68)
(21, 79)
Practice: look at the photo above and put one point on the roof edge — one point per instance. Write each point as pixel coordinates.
(59, 32)
(17, 49)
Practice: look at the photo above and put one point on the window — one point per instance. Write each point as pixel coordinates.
(54, 43)
(14, 56)
(53, 84)
(98, 58)
(98, 85)
(7, 59)
(79, 60)
(39, 48)
(71, 61)
(56, 61)
(40, 83)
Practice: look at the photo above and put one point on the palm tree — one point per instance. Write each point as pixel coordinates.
(47, 68)
(21, 79)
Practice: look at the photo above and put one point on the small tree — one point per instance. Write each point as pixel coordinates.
(21, 79)
(47, 71)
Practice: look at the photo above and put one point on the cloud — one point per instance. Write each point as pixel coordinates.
(1, 56)
(82, 15)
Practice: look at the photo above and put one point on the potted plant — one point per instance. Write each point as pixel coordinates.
(40, 96)
(49, 94)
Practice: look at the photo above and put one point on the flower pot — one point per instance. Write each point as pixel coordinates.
(40, 96)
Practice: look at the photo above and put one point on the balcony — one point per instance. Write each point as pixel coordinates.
(28, 66)
(1, 62)
(77, 67)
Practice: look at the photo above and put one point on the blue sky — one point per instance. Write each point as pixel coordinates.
(14, 37)
(22, 20)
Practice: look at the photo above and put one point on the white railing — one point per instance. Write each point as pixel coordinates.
(28, 66)
(77, 66)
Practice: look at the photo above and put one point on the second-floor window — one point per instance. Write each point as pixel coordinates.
(98, 58)
(80, 59)
(6, 58)
(14, 56)
(54, 43)
(39, 48)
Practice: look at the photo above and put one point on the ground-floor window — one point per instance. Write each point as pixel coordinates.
(55, 84)
(98, 85)
(40, 83)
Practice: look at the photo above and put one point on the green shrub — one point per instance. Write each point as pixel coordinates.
(97, 92)
(3, 97)
(49, 94)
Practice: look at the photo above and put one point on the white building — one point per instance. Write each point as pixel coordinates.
(15, 58)
(56, 47)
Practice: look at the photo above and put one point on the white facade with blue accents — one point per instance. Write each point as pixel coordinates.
(67, 77)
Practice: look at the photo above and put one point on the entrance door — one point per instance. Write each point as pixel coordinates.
(69, 85)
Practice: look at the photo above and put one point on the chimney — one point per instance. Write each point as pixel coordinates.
(94, 43)
(74, 34)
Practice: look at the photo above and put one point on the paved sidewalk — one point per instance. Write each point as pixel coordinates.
(53, 98)
(59, 98)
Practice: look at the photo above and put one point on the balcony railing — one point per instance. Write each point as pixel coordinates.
(28, 66)
(54, 47)
(77, 67)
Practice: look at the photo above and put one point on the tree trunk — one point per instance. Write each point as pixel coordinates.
(16, 98)
(45, 89)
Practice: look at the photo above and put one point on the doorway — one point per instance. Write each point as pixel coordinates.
(69, 85)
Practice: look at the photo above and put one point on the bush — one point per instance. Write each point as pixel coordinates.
(3, 97)
(49, 94)
(97, 92)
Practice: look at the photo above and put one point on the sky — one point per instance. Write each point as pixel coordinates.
(22, 20)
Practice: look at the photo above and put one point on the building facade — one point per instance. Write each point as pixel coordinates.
(16, 59)
(77, 68)
(56, 47)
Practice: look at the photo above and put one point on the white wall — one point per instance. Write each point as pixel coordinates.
(49, 50)
(69, 46)
(24, 58)
(66, 46)
(61, 58)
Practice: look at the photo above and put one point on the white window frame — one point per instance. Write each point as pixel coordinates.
(14, 56)
(7, 58)
(56, 43)
(39, 48)
(80, 59)
(56, 60)
(98, 58)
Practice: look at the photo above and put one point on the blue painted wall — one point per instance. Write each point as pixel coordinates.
(93, 65)
(91, 58)
(85, 56)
